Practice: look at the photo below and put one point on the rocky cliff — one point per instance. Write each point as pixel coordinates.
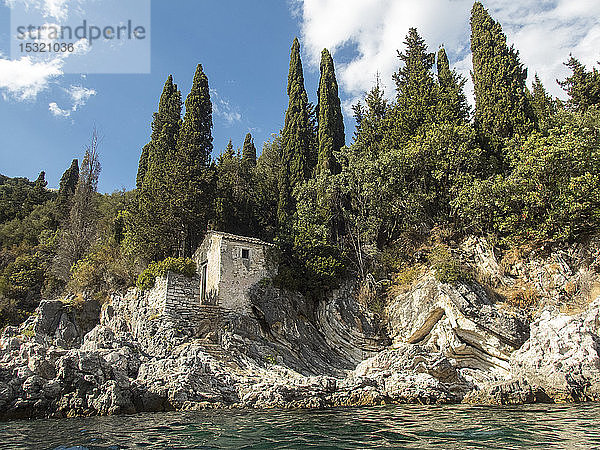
(475, 341)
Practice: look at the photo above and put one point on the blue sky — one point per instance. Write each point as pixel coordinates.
(244, 49)
(47, 116)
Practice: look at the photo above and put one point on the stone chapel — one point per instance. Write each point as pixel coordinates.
(228, 265)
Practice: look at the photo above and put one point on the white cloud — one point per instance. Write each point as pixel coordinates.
(56, 9)
(544, 31)
(224, 109)
(24, 78)
(78, 95)
(57, 111)
(59, 9)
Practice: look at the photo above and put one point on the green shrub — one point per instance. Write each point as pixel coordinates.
(146, 280)
(551, 193)
(23, 276)
(447, 269)
(102, 270)
(183, 266)
(28, 332)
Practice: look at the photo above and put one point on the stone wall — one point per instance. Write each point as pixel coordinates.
(182, 297)
(239, 274)
(176, 296)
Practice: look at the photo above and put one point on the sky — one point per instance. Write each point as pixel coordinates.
(48, 110)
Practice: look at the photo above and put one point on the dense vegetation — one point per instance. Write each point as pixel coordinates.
(521, 166)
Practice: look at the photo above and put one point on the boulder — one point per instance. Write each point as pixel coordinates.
(562, 355)
(462, 322)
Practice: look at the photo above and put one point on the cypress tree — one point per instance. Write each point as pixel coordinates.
(248, 200)
(196, 131)
(165, 128)
(502, 109)
(153, 233)
(161, 116)
(453, 106)
(248, 153)
(416, 89)
(41, 180)
(38, 194)
(68, 181)
(193, 178)
(297, 138)
(330, 120)
(142, 166)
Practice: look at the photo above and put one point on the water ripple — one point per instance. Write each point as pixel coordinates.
(411, 427)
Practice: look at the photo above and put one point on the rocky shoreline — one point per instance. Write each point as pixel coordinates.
(438, 343)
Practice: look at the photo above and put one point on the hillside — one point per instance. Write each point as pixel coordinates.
(436, 343)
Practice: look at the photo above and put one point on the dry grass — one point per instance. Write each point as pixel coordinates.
(367, 295)
(594, 292)
(581, 292)
(441, 235)
(403, 281)
(572, 308)
(75, 301)
(514, 256)
(523, 296)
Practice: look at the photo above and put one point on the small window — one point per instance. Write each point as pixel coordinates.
(245, 253)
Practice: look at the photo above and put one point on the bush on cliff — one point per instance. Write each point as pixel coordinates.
(552, 192)
(447, 268)
(183, 266)
(102, 270)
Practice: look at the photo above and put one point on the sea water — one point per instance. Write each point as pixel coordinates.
(575, 426)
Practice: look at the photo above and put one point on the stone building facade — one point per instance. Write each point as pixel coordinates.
(228, 265)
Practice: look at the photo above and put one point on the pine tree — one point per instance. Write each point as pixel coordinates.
(330, 120)
(502, 109)
(298, 137)
(79, 231)
(68, 181)
(193, 178)
(582, 86)
(543, 105)
(228, 199)
(453, 106)
(370, 118)
(417, 92)
(228, 153)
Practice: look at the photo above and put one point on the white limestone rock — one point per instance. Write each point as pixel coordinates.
(562, 355)
(461, 322)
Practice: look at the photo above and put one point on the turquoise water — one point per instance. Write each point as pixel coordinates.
(422, 427)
